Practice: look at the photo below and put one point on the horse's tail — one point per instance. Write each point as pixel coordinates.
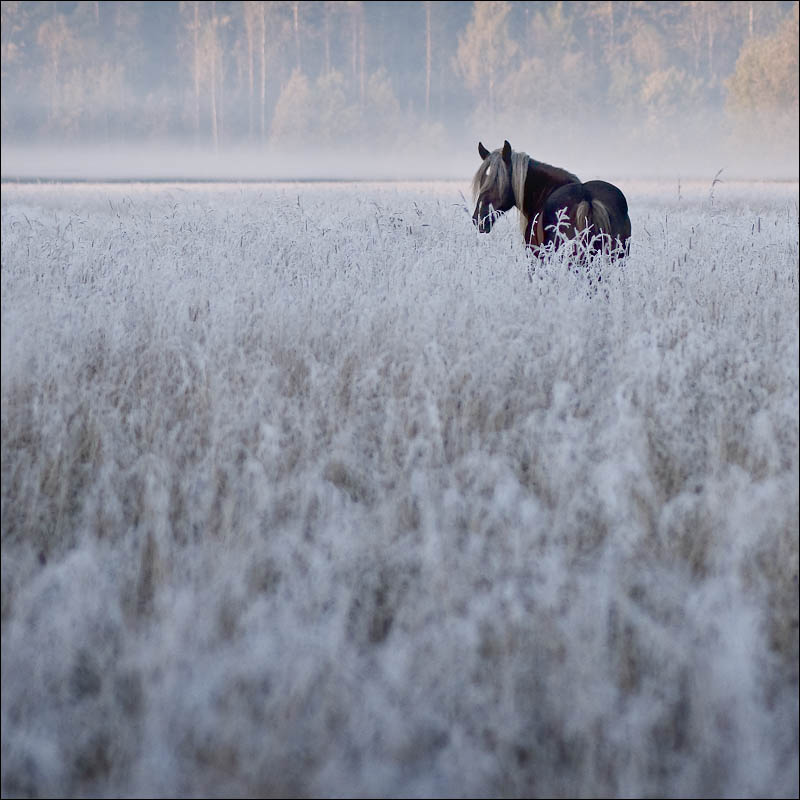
(592, 212)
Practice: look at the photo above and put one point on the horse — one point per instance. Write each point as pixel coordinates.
(554, 205)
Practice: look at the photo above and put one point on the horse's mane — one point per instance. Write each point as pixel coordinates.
(493, 172)
(519, 172)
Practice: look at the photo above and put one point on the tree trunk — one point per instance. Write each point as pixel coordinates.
(712, 30)
(250, 35)
(196, 31)
(263, 52)
(697, 33)
(327, 30)
(355, 43)
(213, 48)
(296, 13)
(427, 58)
(54, 86)
(362, 55)
(220, 51)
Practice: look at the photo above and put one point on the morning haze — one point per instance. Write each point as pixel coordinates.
(301, 90)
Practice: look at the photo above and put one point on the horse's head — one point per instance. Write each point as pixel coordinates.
(492, 187)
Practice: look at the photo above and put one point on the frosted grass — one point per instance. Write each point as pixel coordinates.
(313, 490)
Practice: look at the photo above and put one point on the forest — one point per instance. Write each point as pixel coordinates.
(288, 76)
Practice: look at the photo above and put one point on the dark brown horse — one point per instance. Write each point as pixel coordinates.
(553, 204)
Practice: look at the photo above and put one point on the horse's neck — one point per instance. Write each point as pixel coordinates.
(542, 180)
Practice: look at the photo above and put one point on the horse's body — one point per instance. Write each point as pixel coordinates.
(553, 204)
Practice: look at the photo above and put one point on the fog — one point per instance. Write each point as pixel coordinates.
(381, 91)
(168, 161)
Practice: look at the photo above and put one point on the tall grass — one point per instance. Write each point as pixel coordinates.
(314, 490)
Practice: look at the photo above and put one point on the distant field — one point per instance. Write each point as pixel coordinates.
(311, 490)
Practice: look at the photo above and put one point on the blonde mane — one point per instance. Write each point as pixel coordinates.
(494, 172)
(519, 170)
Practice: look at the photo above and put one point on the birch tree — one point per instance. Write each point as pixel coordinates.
(427, 6)
(485, 49)
(54, 38)
(251, 12)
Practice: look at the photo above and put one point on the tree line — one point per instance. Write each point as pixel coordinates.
(295, 74)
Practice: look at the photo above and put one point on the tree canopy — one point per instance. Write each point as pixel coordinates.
(287, 74)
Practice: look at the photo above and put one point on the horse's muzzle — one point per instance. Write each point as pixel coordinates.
(483, 221)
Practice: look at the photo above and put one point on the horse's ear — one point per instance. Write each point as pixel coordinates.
(482, 151)
(506, 152)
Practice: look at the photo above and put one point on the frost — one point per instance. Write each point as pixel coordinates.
(313, 490)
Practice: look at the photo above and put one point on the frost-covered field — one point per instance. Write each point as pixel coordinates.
(311, 490)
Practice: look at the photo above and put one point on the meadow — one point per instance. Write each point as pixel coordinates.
(312, 490)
